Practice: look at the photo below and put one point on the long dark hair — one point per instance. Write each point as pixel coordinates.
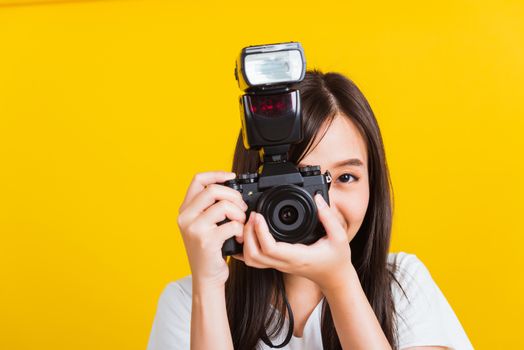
(250, 291)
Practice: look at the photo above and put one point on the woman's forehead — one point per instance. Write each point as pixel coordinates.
(341, 142)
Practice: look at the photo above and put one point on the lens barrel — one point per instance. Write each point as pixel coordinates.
(290, 212)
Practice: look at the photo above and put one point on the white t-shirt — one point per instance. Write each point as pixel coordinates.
(427, 320)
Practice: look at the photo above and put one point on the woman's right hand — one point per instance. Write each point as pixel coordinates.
(207, 203)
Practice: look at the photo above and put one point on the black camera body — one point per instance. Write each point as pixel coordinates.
(271, 122)
(287, 205)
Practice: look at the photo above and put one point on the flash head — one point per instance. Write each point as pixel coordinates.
(266, 67)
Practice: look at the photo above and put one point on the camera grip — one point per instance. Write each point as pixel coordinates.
(230, 246)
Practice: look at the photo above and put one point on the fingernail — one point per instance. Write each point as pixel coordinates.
(251, 216)
(321, 203)
(258, 218)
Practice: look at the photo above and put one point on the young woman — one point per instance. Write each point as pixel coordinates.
(331, 294)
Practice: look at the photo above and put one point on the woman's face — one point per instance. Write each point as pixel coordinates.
(343, 152)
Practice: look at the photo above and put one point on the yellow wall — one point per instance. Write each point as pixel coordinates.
(107, 109)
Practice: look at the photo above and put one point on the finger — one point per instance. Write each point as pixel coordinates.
(201, 180)
(228, 230)
(251, 250)
(268, 244)
(222, 210)
(282, 253)
(328, 219)
(252, 253)
(246, 246)
(240, 239)
(250, 245)
(211, 194)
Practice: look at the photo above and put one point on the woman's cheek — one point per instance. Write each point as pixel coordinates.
(355, 211)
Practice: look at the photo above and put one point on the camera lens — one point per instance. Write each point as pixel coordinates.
(288, 215)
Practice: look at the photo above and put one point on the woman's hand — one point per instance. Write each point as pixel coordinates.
(207, 203)
(327, 262)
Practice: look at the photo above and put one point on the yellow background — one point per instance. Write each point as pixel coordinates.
(108, 108)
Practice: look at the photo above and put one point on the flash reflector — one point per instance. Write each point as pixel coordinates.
(269, 66)
(273, 67)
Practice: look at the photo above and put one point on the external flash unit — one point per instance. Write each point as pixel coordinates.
(271, 122)
(266, 74)
(268, 66)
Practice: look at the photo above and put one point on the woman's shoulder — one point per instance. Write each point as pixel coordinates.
(412, 282)
(424, 316)
(403, 263)
(411, 276)
(171, 325)
(176, 297)
(180, 290)
(182, 285)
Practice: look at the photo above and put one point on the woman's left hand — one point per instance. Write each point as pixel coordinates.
(326, 262)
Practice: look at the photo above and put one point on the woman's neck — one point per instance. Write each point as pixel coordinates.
(300, 290)
(303, 296)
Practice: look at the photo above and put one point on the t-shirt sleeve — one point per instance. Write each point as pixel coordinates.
(424, 316)
(171, 326)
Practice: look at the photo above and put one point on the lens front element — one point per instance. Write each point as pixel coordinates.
(288, 215)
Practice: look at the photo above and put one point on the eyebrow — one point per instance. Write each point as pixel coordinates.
(349, 162)
(346, 162)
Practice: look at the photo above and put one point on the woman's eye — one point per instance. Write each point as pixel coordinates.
(346, 178)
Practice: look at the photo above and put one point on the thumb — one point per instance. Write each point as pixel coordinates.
(328, 219)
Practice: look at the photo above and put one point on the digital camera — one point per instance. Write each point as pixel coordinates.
(272, 121)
